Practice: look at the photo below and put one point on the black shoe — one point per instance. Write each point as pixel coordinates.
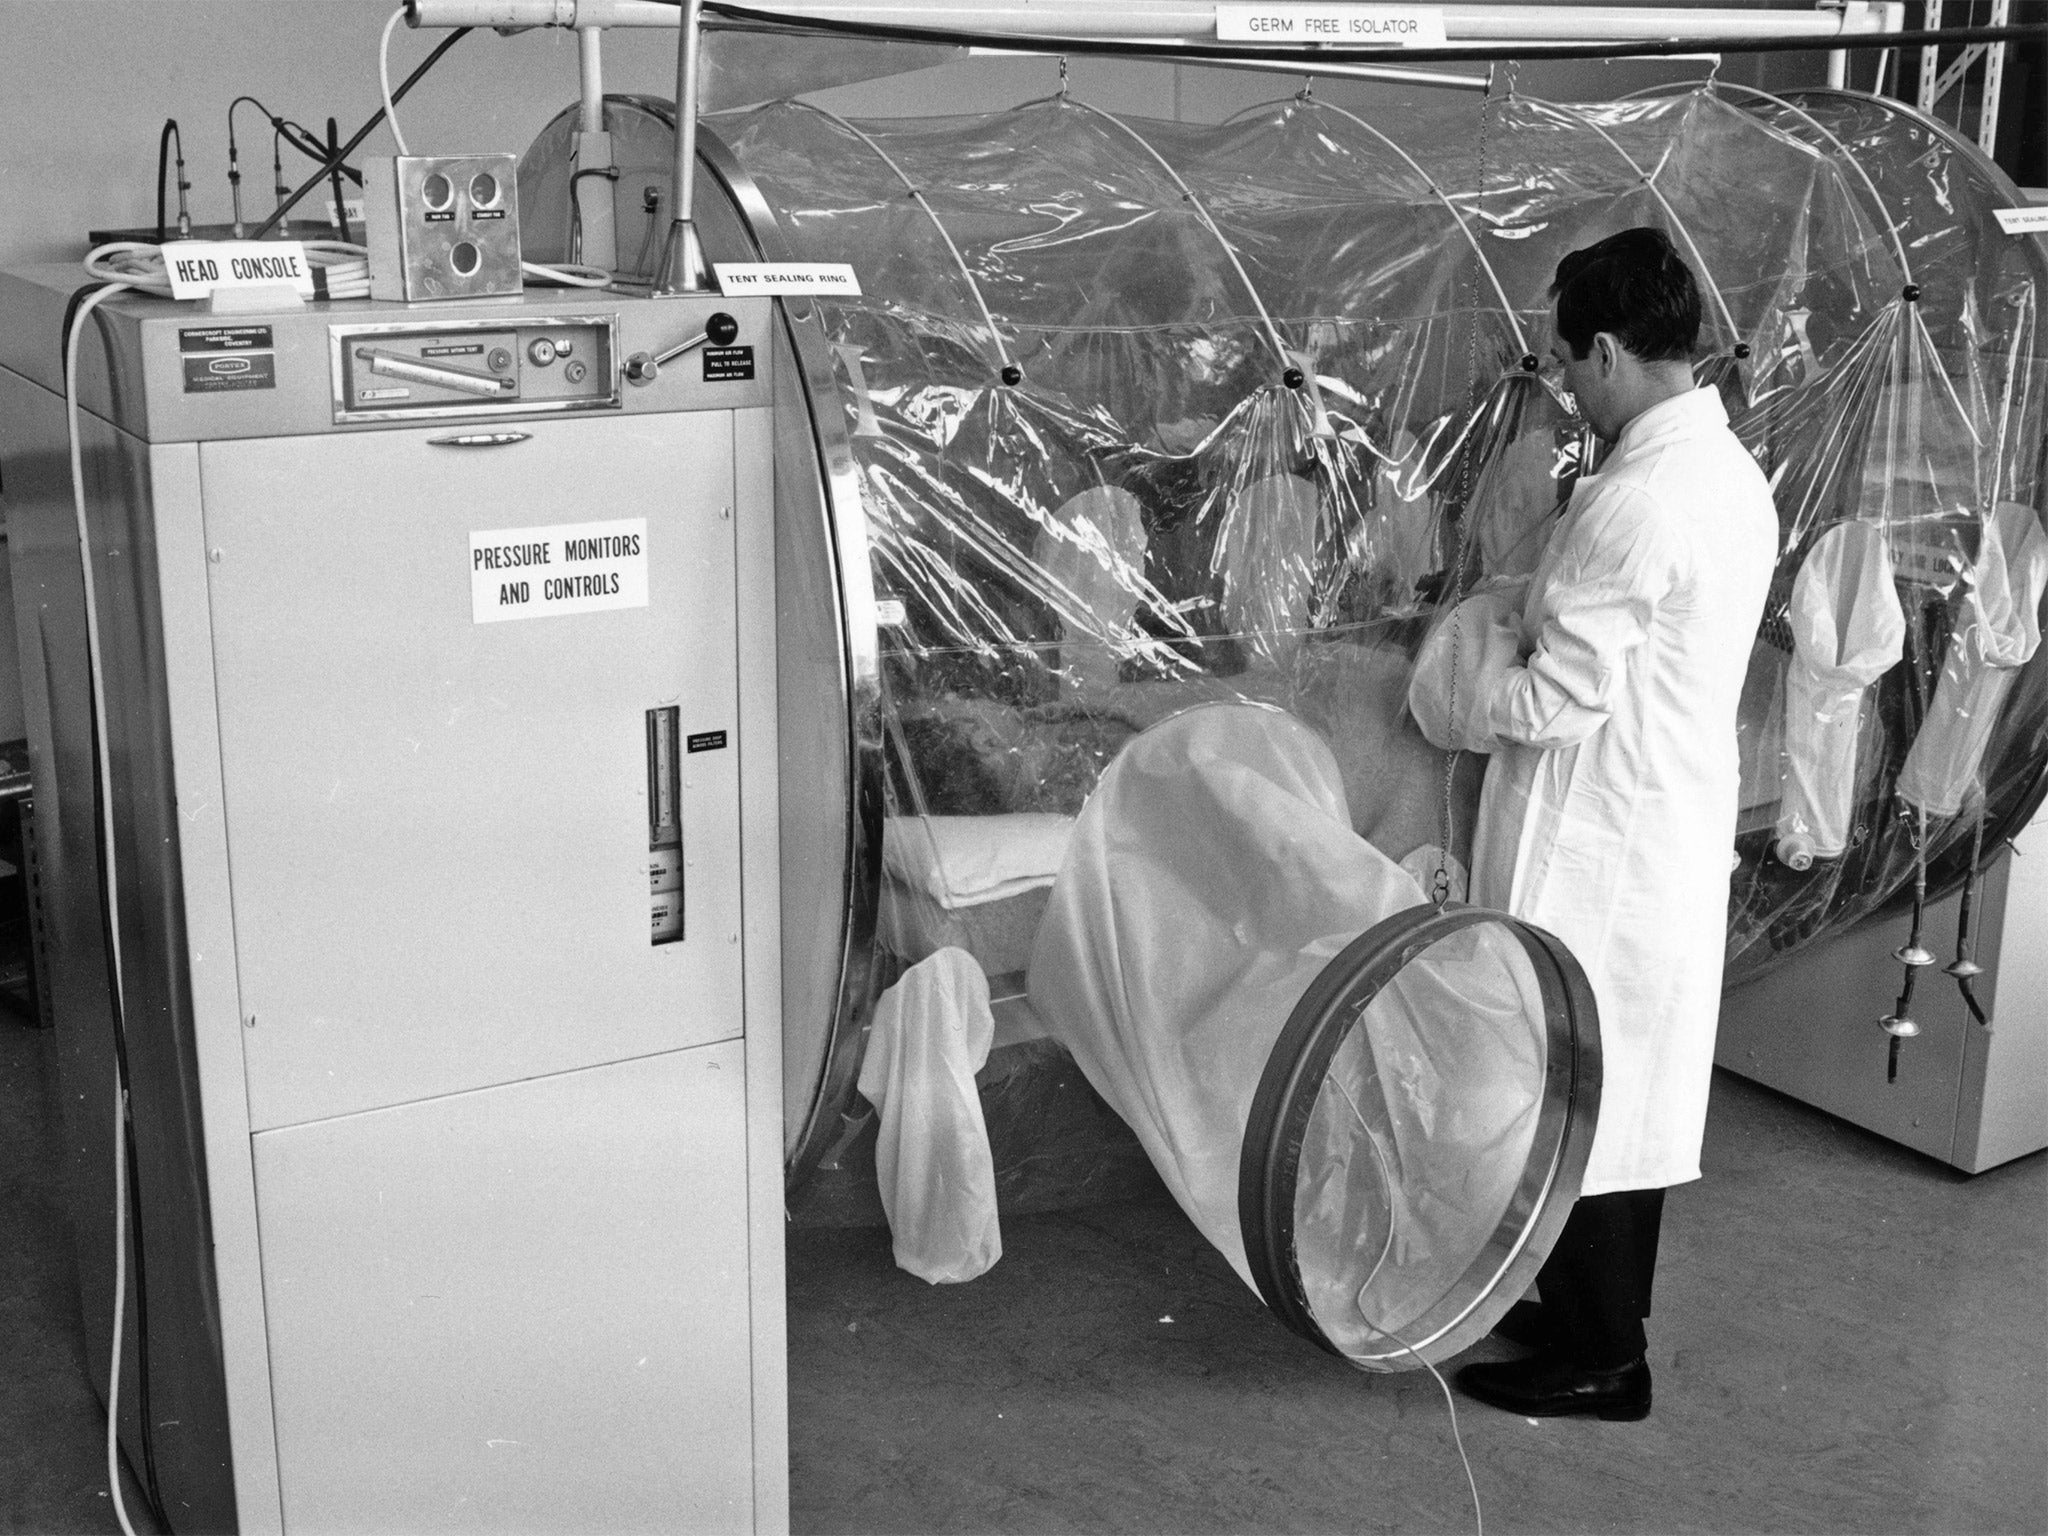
(1549, 1386)
(1525, 1325)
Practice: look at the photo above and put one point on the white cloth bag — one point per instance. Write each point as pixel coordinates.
(931, 1034)
(1848, 630)
(1997, 634)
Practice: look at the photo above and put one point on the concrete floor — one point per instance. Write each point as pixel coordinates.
(1848, 1337)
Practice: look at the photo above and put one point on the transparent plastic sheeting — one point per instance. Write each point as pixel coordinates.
(1154, 516)
(1169, 960)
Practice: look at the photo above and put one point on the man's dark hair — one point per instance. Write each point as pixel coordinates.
(1634, 285)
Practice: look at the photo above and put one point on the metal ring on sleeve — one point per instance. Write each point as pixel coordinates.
(1269, 1164)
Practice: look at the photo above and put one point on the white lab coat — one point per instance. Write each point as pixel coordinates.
(1608, 815)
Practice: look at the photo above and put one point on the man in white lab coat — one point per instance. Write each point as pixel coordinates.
(1608, 815)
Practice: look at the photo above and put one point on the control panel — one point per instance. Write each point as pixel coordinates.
(399, 371)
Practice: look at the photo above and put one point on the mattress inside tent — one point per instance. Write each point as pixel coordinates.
(1145, 415)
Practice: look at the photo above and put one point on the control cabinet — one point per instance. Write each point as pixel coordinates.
(439, 663)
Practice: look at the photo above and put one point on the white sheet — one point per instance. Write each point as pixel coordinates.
(962, 861)
(1210, 878)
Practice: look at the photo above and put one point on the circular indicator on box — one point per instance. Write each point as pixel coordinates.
(500, 359)
(464, 258)
(541, 350)
(437, 191)
(483, 189)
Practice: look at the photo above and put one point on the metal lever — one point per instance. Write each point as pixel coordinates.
(719, 330)
(398, 366)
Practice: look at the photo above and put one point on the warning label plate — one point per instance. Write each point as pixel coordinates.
(541, 573)
(723, 364)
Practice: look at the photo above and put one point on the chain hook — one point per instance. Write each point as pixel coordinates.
(1441, 885)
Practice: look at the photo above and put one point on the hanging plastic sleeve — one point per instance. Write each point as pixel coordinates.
(865, 424)
(931, 1034)
(1847, 631)
(1998, 632)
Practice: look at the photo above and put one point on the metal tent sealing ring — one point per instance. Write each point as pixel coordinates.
(1269, 1163)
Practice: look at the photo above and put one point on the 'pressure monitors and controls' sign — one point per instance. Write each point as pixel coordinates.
(739, 279)
(1340, 26)
(198, 268)
(540, 573)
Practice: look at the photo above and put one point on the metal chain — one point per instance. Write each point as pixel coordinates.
(1440, 886)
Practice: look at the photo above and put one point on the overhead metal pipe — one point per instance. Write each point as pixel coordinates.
(1186, 33)
(1196, 23)
(1055, 20)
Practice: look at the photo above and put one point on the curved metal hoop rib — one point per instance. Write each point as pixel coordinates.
(1890, 224)
(1202, 213)
(1486, 266)
(1649, 179)
(917, 192)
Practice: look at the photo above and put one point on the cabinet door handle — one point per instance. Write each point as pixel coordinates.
(478, 440)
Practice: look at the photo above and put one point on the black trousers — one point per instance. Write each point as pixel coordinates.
(1596, 1282)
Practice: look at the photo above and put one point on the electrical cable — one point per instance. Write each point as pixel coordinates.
(1387, 1182)
(1450, 1402)
(1965, 968)
(298, 135)
(120, 1305)
(334, 176)
(123, 1191)
(384, 79)
(567, 274)
(363, 132)
(283, 130)
(163, 149)
(277, 163)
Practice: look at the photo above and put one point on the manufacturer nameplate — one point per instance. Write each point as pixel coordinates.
(226, 338)
(213, 373)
